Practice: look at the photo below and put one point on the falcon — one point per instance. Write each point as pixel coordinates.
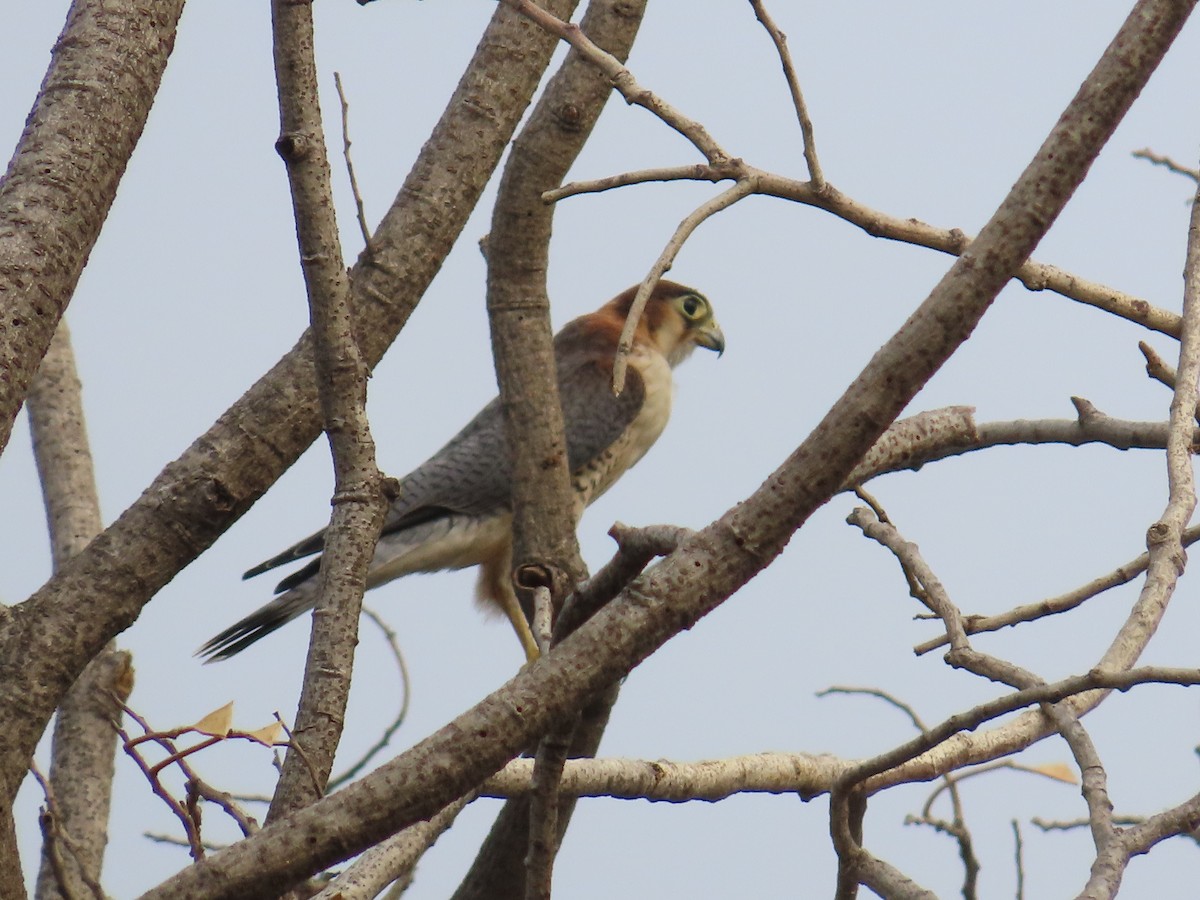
(455, 510)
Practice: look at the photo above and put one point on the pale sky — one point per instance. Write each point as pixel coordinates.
(929, 111)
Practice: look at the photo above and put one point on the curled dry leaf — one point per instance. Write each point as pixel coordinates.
(217, 723)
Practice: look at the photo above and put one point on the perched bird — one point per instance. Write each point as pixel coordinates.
(455, 510)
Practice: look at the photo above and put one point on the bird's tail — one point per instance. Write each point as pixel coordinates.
(261, 622)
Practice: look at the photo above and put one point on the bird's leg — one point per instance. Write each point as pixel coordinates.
(516, 616)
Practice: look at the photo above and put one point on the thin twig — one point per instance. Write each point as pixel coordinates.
(393, 643)
(793, 81)
(160, 837)
(190, 827)
(929, 589)
(1159, 369)
(1035, 276)
(1041, 771)
(358, 200)
(622, 79)
(739, 191)
(294, 746)
(957, 828)
(56, 838)
(1051, 606)
(880, 694)
(1167, 163)
(694, 172)
(1019, 859)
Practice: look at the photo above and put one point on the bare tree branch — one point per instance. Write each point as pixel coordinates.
(62, 451)
(678, 782)
(392, 861)
(89, 114)
(70, 880)
(393, 643)
(621, 78)
(410, 787)
(815, 175)
(63, 177)
(1164, 541)
(1019, 857)
(358, 499)
(1035, 276)
(929, 588)
(662, 265)
(545, 549)
(700, 570)
(1166, 162)
(359, 210)
(84, 745)
(894, 767)
(1062, 603)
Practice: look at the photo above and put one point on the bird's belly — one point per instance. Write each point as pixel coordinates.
(452, 542)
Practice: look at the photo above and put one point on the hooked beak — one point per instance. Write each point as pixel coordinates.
(711, 337)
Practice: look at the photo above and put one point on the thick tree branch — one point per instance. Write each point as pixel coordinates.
(358, 501)
(675, 782)
(1164, 540)
(413, 786)
(393, 861)
(84, 744)
(61, 181)
(544, 513)
(90, 112)
(62, 451)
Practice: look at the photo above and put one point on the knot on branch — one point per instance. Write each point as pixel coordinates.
(293, 147)
(1157, 534)
(390, 488)
(534, 575)
(570, 117)
(959, 240)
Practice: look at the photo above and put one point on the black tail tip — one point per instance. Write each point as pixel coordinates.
(236, 638)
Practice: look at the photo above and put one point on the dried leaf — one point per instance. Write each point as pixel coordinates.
(267, 735)
(217, 723)
(1058, 771)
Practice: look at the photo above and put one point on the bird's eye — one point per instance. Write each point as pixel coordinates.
(692, 306)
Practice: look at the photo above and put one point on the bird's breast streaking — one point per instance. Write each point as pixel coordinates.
(455, 509)
(600, 473)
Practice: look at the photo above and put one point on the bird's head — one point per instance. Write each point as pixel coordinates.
(677, 319)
